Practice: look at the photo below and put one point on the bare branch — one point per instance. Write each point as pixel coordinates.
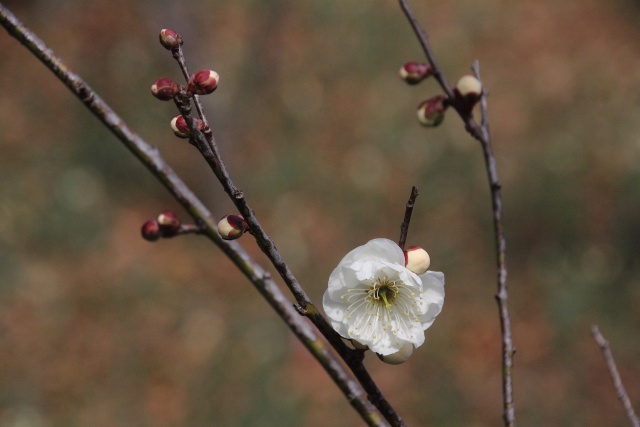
(404, 228)
(615, 376)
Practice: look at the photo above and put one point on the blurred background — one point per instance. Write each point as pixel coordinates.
(99, 327)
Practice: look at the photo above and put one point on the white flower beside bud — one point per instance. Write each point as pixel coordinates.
(400, 356)
(417, 260)
(469, 86)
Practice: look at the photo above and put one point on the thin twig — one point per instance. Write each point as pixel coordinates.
(615, 376)
(178, 55)
(152, 159)
(404, 228)
(481, 133)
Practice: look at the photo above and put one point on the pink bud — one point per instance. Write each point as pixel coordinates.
(150, 230)
(168, 222)
(203, 82)
(170, 39)
(415, 72)
(164, 89)
(232, 227)
(181, 128)
(431, 112)
(416, 259)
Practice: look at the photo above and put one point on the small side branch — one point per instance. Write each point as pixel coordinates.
(615, 376)
(404, 228)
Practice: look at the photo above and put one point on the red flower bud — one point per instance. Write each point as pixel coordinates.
(181, 128)
(431, 112)
(170, 39)
(168, 222)
(203, 82)
(150, 230)
(232, 227)
(164, 89)
(415, 72)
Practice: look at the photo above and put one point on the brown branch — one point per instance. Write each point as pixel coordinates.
(404, 228)
(481, 133)
(152, 159)
(615, 376)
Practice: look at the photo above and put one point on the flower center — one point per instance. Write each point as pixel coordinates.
(383, 308)
(383, 292)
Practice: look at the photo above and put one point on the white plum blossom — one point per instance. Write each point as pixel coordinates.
(373, 299)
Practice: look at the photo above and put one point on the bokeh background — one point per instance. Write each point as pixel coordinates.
(101, 328)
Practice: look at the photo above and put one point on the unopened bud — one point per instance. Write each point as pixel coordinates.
(415, 72)
(170, 39)
(150, 230)
(203, 82)
(181, 128)
(164, 89)
(469, 88)
(168, 222)
(400, 356)
(232, 227)
(431, 112)
(416, 259)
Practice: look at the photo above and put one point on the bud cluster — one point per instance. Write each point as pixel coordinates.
(468, 92)
(167, 224)
(202, 82)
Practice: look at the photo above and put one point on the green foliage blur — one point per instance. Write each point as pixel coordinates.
(101, 328)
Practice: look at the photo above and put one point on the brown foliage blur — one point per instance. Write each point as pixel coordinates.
(100, 328)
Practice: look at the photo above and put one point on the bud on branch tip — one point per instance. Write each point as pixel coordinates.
(170, 39)
(469, 89)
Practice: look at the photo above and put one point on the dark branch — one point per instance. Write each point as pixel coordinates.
(404, 228)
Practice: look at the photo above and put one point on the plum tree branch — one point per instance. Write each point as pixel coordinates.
(262, 280)
(482, 134)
